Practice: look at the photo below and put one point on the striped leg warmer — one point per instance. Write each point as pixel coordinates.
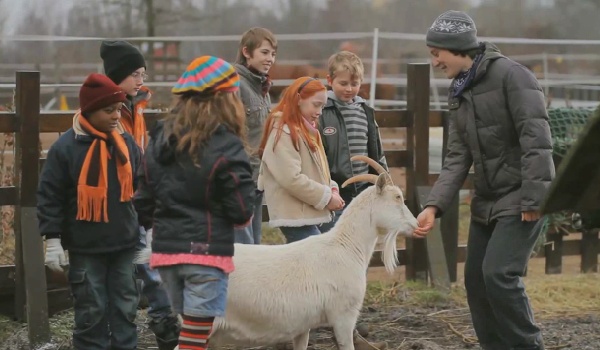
(194, 332)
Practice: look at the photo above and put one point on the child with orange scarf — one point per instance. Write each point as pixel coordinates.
(85, 206)
(124, 64)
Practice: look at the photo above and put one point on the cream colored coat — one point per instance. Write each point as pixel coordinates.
(296, 191)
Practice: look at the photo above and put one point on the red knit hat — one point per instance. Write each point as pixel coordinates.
(99, 91)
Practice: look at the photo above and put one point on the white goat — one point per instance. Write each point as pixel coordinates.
(277, 293)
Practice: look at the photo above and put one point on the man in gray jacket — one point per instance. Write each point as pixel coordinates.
(498, 125)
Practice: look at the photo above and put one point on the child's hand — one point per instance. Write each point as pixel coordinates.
(530, 216)
(336, 202)
(246, 224)
(55, 255)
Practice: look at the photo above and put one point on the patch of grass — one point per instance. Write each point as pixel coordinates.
(564, 294)
(8, 327)
(271, 235)
(61, 328)
(414, 293)
(551, 296)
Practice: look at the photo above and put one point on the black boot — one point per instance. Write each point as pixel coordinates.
(166, 331)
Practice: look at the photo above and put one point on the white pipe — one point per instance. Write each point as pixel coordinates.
(374, 67)
(545, 65)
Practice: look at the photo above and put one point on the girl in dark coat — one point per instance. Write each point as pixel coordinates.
(196, 186)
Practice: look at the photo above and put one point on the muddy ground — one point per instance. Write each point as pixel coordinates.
(404, 327)
(432, 329)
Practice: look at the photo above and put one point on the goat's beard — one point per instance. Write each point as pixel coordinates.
(390, 253)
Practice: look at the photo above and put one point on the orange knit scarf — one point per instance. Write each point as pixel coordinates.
(133, 122)
(92, 187)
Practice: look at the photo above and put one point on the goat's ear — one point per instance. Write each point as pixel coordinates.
(381, 182)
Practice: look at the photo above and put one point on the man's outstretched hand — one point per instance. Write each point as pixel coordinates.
(426, 220)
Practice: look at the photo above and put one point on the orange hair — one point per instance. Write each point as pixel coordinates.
(288, 112)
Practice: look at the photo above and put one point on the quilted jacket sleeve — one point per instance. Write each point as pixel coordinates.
(456, 166)
(528, 111)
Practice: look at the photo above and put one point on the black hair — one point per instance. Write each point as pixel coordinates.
(472, 53)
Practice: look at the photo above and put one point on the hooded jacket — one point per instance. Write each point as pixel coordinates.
(499, 124)
(193, 205)
(57, 198)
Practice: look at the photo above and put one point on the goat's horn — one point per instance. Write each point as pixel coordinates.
(380, 169)
(372, 178)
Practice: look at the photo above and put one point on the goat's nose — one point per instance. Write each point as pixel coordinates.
(414, 223)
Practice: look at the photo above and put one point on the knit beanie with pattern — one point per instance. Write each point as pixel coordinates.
(120, 59)
(207, 75)
(453, 30)
(98, 91)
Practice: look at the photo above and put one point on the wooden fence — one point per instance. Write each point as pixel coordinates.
(29, 292)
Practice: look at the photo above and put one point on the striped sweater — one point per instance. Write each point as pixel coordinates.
(355, 120)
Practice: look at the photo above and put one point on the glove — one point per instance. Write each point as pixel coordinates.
(244, 225)
(55, 255)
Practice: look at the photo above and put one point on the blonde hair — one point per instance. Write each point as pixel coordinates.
(251, 40)
(345, 61)
(195, 117)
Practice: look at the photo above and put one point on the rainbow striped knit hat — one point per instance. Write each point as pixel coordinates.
(207, 75)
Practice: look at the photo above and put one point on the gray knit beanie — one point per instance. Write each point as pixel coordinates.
(453, 30)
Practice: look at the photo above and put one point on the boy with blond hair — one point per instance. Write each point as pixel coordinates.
(348, 128)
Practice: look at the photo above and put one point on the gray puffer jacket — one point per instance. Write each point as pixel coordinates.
(257, 110)
(499, 124)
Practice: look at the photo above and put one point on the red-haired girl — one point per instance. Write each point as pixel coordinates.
(294, 173)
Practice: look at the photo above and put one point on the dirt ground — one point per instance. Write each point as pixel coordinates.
(445, 323)
(410, 316)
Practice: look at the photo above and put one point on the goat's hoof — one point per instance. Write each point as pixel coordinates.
(380, 345)
(361, 343)
(284, 346)
(366, 345)
(362, 329)
(312, 337)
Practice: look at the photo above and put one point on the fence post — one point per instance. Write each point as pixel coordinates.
(26, 228)
(589, 251)
(553, 251)
(436, 256)
(418, 146)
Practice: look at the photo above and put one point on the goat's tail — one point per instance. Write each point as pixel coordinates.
(142, 256)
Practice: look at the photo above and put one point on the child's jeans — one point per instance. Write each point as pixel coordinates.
(329, 225)
(105, 300)
(159, 306)
(252, 234)
(196, 290)
(293, 234)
